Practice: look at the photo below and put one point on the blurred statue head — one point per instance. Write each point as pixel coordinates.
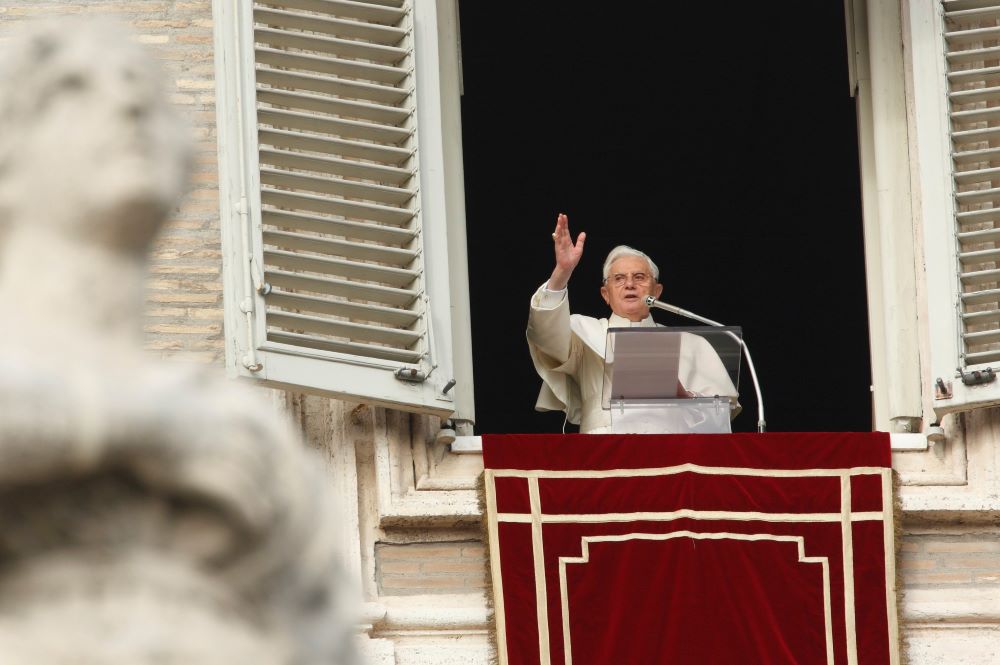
(90, 143)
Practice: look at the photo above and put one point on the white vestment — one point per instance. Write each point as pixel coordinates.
(568, 353)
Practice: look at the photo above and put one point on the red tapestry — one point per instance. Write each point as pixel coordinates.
(735, 548)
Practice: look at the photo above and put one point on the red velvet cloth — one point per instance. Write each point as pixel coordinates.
(740, 548)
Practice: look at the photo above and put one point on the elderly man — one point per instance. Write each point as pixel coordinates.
(568, 350)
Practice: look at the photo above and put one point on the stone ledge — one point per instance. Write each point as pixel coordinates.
(951, 606)
(432, 614)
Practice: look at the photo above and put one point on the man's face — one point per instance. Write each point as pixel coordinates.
(629, 282)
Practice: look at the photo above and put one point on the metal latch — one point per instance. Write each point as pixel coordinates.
(411, 375)
(978, 377)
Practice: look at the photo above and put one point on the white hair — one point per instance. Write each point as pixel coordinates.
(625, 250)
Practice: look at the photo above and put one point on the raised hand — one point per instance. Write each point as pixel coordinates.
(567, 253)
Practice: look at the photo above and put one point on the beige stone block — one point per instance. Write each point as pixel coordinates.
(989, 562)
(195, 84)
(410, 552)
(186, 329)
(452, 567)
(184, 297)
(194, 39)
(171, 312)
(206, 314)
(954, 577)
(160, 23)
(429, 583)
(959, 547)
(399, 567)
(917, 564)
(163, 344)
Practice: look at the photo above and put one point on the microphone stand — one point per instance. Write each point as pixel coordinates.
(659, 304)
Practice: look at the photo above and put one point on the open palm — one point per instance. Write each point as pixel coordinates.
(567, 253)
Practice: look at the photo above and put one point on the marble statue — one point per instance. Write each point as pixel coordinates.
(149, 513)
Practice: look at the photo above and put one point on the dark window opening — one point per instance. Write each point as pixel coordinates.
(723, 144)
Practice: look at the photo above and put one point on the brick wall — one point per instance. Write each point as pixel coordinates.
(422, 568)
(184, 291)
(959, 560)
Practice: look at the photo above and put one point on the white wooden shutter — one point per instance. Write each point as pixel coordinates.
(954, 51)
(337, 300)
(972, 39)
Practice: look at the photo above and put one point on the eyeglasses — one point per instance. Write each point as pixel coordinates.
(620, 279)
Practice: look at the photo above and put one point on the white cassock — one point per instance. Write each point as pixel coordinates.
(568, 353)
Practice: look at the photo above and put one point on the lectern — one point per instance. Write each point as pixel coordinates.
(672, 380)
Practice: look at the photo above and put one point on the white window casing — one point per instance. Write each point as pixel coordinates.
(877, 69)
(342, 203)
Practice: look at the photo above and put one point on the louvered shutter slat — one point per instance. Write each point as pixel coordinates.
(356, 332)
(982, 317)
(972, 37)
(350, 129)
(986, 114)
(975, 95)
(356, 230)
(326, 344)
(337, 187)
(986, 235)
(977, 35)
(983, 73)
(368, 54)
(965, 157)
(951, 6)
(328, 65)
(977, 196)
(371, 152)
(978, 216)
(300, 201)
(973, 136)
(326, 165)
(973, 55)
(351, 310)
(364, 117)
(332, 247)
(976, 175)
(341, 268)
(371, 32)
(980, 277)
(344, 88)
(984, 337)
(364, 11)
(332, 286)
(979, 256)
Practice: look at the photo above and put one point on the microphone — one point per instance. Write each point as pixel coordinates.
(659, 304)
